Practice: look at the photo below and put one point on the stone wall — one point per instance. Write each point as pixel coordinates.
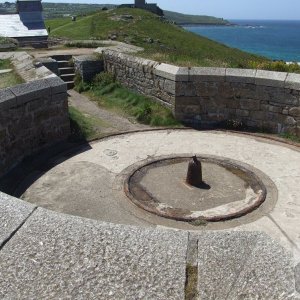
(50, 63)
(258, 99)
(32, 116)
(142, 75)
(207, 97)
(88, 66)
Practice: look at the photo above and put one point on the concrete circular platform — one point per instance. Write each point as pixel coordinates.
(46, 254)
(228, 190)
(88, 184)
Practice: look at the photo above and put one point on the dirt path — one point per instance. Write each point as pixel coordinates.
(109, 122)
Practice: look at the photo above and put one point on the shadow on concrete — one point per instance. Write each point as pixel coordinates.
(31, 168)
(203, 186)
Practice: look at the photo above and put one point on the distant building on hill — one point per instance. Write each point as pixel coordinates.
(153, 7)
(27, 25)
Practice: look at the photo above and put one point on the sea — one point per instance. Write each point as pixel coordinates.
(277, 40)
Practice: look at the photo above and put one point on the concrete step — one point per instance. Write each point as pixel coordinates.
(67, 70)
(63, 64)
(70, 84)
(67, 77)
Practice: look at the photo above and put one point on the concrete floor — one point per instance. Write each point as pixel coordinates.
(89, 184)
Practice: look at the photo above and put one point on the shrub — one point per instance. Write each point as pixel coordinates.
(103, 79)
(83, 44)
(80, 85)
(143, 113)
(8, 44)
(234, 124)
(278, 66)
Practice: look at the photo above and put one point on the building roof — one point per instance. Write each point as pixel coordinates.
(24, 25)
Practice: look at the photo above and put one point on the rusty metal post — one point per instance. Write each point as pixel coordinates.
(194, 173)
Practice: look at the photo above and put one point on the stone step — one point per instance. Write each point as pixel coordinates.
(63, 64)
(67, 70)
(70, 84)
(67, 77)
(61, 57)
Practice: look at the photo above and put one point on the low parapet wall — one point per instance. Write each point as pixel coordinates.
(211, 96)
(88, 66)
(32, 116)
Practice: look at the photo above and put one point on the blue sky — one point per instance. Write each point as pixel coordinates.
(229, 9)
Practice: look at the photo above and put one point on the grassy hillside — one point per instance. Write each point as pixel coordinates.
(55, 10)
(162, 41)
(58, 10)
(193, 19)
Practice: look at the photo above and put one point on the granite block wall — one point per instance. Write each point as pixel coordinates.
(139, 74)
(32, 116)
(260, 99)
(88, 66)
(209, 97)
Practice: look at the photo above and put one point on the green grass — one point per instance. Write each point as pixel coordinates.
(290, 137)
(85, 44)
(191, 282)
(127, 103)
(65, 27)
(5, 64)
(112, 96)
(7, 44)
(56, 23)
(8, 79)
(82, 126)
(171, 44)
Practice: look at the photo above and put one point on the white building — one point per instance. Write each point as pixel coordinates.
(27, 26)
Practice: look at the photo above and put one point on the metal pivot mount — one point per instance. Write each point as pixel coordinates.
(194, 173)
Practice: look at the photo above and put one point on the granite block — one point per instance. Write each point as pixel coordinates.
(56, 256)
(269, 78)
(7, 99)
(13, 213)
(243, 265)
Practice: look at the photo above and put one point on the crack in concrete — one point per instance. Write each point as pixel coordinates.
(17, 229)
(284, 233)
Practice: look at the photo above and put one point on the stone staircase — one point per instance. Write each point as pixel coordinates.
(66, 69)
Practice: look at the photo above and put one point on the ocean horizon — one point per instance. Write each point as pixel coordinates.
(274, 39)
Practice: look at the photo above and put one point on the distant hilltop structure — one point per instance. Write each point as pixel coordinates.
(153, 7)
(27, 25)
